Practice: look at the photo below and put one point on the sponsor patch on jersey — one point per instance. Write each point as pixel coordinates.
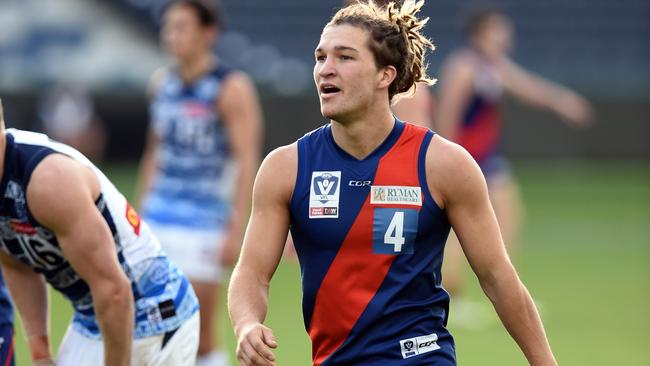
(133, 218)
(395, 195)
(22, 227)
(419, 345)
(324, 194)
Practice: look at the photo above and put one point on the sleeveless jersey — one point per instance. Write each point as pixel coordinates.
(163, 296)
(195, 172)
(6, 311)
(481, 129)
(370, 240)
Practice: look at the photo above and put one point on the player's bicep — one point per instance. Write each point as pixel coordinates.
(468, 209)
(269, 221)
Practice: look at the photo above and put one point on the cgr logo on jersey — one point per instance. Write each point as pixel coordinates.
(418, 345)
(395, 195)
(324, 194)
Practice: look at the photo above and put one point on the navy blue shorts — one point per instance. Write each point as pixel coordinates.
(6, 345)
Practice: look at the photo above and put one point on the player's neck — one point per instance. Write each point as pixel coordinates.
(361, 137)
(193, 69)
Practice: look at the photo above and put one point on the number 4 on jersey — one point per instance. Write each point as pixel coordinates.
(394, 230)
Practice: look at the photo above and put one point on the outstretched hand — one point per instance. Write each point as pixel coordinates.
(575, 110)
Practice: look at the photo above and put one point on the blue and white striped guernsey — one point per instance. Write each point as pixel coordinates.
(195, 173)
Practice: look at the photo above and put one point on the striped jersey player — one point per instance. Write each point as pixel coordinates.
(98, 254)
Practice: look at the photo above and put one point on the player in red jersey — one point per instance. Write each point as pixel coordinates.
(370, 201)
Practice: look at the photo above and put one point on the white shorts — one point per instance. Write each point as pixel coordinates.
(196, 252)
(180, 349)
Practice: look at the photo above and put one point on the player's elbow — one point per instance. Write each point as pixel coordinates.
(498, 281)
(115, 293)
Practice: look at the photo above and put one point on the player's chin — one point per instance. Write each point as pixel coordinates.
(329, 112)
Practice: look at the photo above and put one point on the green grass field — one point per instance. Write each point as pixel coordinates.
(585, 257)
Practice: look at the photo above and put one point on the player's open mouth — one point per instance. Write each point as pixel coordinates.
(328, 89)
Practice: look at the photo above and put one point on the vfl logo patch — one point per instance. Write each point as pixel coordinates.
(418, 345)
(133, 218)
(324, 193)
(395, 195)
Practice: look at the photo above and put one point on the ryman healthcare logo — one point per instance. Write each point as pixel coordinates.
(396, 195)
(324, 194)
(418, 345)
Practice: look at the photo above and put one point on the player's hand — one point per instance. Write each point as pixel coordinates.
(44, 362)
(39, 348)
(575, 110)
(254, 346)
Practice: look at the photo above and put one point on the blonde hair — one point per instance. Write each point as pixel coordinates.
(395, 39)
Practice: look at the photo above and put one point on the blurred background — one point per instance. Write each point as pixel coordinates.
(78, 69)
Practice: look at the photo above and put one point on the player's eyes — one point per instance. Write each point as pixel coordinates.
(320, 58)
(345, 57)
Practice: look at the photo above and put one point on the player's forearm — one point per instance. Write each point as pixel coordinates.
(29, 294)
(248, 299)
(517, 311)
(243, 193)
(114, 309)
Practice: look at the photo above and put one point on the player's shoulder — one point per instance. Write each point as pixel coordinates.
(156, 80)
(450, 167)
(282, 157)
(277, 174)
(54, 173)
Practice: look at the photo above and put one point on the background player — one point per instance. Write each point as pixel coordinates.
(473, 81)
(62, 221)
(6, 318)
(201, 157)
(369, 200)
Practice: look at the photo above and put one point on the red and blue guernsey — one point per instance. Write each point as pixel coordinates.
(370, 240)
(481, 129)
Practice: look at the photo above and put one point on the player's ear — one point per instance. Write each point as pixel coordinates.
(386, 76)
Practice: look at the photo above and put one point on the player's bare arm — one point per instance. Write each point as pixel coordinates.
(261, 252)
(29, 294)
(240, 108)
(61, 195)
(537, 91)
(148, 162)
(415, 108)
(456, 84)
(456, 182)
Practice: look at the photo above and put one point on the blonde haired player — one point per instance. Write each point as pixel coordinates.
(370, 201)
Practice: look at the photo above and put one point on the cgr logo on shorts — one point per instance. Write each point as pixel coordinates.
(418, 345)
(324, 194)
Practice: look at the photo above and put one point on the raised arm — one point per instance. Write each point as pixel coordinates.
(29, 294)
(242, 114)
(456, 83)
(457, 183)
(263, 244)
(537, 91)
(61, 196)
